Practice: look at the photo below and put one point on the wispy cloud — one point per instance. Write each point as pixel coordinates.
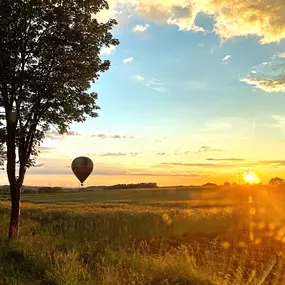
(128, 60)
(282, 55)
(39, 165)
(108, 136)
(272, 162)
(153, 83)
(268, 76)
(114, 154)
(206, 148)
(159, 140)
(226, 58)
(205, 165)
(73, 133)
(140, 28)
(279, 121)
(108, 50)
(54, 135)
(161, 153)
(45, 149)
(138, 78)
(106, 169)
(267, 85)
(225, 159)
(156, 85)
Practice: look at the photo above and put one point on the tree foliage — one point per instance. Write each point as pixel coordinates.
(210, 184)
(49, 55)
(2, 155)
(276, 181)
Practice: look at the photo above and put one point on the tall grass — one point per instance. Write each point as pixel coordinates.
(145, 241)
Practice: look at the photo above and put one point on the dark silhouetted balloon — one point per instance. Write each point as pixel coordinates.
(82, 167)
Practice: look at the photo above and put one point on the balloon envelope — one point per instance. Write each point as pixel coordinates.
(82, 167)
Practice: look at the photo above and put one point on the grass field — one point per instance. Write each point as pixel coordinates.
(160, 236)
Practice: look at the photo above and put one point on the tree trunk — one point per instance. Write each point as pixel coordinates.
(11, 172)
(15, 211)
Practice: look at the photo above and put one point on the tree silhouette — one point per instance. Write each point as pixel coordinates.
(227, 183)
(210, 184)
(49, 55)
(2, 156)
(276, 181)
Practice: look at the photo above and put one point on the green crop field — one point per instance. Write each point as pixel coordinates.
(158, 236)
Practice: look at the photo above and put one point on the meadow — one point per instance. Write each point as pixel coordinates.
(178, 235)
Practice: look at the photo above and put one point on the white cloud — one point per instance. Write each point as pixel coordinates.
(140, 28)
(227, 57)
(156, 85)
(267, 85)
(138, 78)
(264, 19)
(108, 50)
(128, 60)
(280, 121)
(153, 84)
(268, 76)
(282, 55)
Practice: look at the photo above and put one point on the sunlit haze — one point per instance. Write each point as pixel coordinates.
(193, 94)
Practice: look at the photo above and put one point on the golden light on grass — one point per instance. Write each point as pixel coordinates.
(258, 241)
(165, 217)
(272, 226)
(241, 244)
(261, 225)
(251, 236)
(251, 178)
(225, 244)
(252, 211)
(250, 200)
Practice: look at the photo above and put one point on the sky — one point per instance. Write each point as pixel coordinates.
(195, 93)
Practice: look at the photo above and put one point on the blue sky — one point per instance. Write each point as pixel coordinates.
(193, 86)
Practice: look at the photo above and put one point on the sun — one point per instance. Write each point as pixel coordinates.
(251, 178)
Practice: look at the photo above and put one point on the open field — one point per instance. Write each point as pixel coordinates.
(159, 236)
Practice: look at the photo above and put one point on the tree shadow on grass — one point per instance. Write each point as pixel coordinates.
(17, 267)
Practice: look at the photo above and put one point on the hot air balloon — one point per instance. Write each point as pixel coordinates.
(82, 167)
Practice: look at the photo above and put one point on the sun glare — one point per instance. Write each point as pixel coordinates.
(251, 178)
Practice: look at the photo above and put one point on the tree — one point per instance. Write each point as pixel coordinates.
(276, 181)
(49, 55)
(2, 156)
(210, 184)
(227, 184)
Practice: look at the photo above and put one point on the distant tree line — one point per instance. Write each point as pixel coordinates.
(50, 190)
(46, 189)
(131, 186)
(28, 189)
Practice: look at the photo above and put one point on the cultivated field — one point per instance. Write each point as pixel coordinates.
(161, 236)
